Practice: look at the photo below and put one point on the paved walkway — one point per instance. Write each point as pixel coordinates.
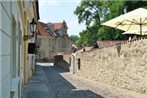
(53, 82)
(38, 86)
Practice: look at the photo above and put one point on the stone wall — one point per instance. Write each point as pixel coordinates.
(128, 71)
(62, 61)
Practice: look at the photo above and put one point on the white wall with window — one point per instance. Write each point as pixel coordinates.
(10, 50)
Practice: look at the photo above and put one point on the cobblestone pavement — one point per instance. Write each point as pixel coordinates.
(37, 86)
(53, 82)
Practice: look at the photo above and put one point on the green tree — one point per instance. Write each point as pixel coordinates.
(94, 12)
(133, 4)
(74, 38)
(89, 11)
(116, 8)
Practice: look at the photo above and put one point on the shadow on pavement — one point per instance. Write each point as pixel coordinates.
(62, 88)
(49, 83)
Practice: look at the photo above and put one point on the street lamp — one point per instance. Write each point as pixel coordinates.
(32, 48)
(33, 26)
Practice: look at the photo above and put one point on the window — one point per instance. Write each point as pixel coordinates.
(63, 43)
(39, 42)
(13, 49)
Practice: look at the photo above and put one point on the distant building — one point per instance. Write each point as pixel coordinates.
(53, 40)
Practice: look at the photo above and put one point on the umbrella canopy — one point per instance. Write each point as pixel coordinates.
(135, 32)
(134, 20)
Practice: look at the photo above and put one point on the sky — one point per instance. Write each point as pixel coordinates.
(59, 10)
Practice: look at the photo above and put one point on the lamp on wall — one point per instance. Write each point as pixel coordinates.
(33, 26)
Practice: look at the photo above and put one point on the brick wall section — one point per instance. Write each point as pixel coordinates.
(62, 61)
(129, 71)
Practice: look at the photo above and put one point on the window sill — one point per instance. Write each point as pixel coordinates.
(14, 84)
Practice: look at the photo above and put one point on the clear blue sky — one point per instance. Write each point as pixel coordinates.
(59, 10)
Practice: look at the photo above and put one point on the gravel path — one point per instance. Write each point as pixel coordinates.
(56, 83)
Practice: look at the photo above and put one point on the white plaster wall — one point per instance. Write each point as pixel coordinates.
(7, 10)
(5, 57)
(6, 4)
(5, 87)
(5, 38)
(5, 44)
(5, 19)
(0, 72)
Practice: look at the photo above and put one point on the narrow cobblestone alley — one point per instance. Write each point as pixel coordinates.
(53, 82)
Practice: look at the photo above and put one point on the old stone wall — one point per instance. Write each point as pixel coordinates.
(128, 71)
(62, 61)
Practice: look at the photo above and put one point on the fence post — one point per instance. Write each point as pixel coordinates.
(73, 63)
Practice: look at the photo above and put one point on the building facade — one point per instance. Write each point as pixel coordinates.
(53, 40)
(14, 19)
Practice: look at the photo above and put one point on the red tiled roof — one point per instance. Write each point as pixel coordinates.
(41, 30)
(58, 26)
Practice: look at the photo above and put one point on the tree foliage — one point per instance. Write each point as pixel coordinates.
(133, 4)
(90, 11)
(74, 38)
(94, 12)
(87, 37)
